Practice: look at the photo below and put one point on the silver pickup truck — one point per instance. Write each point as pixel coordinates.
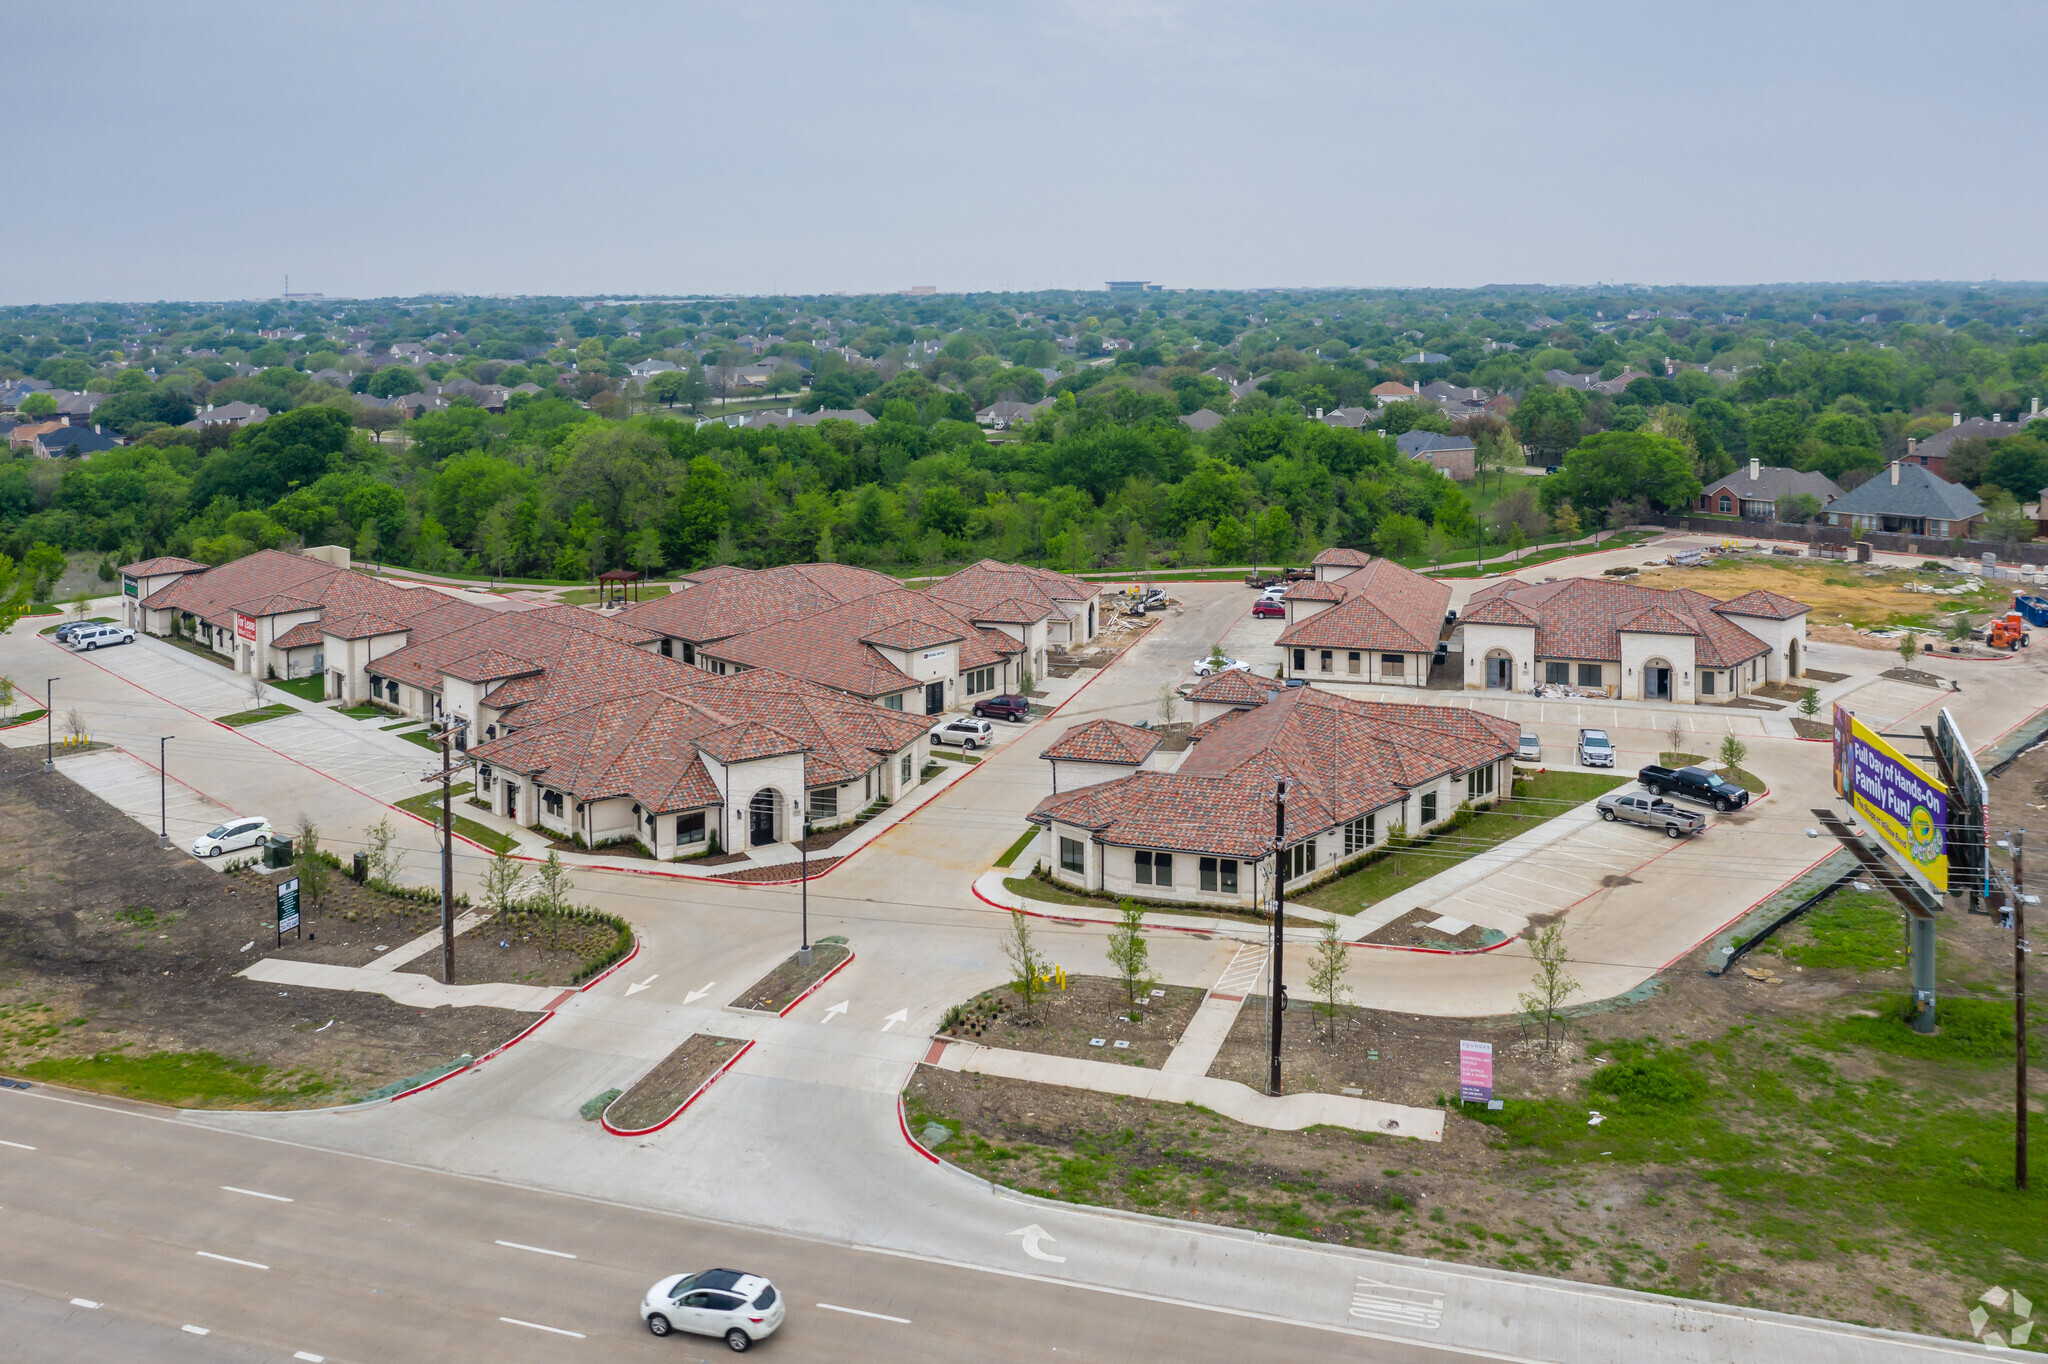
(1637, 808)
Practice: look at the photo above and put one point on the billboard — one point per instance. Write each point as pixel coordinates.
(1969, 811)
(1904, 807)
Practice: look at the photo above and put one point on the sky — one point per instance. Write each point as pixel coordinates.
(371, 149)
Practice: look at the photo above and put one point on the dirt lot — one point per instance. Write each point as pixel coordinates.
(1839, 593)
(1068, 1021)
(112, 947)
(773, 992)
(1412, 930)
(658, 1093)
(1793, 1146)
(527, 949)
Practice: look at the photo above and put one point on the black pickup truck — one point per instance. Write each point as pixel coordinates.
(1693, 783)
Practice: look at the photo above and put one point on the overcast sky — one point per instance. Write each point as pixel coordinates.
(367, 148)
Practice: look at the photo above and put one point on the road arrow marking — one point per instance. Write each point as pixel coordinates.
(637, 988)
(838, 1008)
(695, 995)
(900, 1016)
(1033, 1236)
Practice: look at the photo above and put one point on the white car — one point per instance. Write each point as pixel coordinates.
(1275, 592)
(1206, 667)
(1530, 749)
(93, 636)
(967, 732)
(744, 1308)
(236, 833)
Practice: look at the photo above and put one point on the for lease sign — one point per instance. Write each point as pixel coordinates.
(1902, 805)
(245, 626)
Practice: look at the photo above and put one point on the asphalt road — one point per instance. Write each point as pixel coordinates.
(125, 1229)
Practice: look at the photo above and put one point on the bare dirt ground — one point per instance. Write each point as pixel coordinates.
(1839, 593)
(109, 945)
(524, 948)
(1411, 930)
(658, 1093)
(1067, 1022)
(773, 992)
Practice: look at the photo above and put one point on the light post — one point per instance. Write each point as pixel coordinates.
(1276, 1001)
(163, 793)
(800, 810)
(50, 725)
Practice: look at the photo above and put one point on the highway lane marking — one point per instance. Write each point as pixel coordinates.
(856, 1312)
(536, 1326)
(17, 1145)
(275, 1198)
(196, 1330)
(310, 1357)
(538, 1250)
(86, 1302)
(229, 1259)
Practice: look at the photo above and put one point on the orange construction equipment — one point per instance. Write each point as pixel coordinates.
(2007, 632)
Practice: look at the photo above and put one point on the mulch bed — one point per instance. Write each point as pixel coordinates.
(780, 871)
(1816, 675)
(1065, 1022)
(1812, 729)
(773, 992)
(658, 1093)
(1916, 677)
(523, 948)
(1409, 931)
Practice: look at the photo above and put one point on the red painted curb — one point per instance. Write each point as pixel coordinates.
(695, 1094)
(850, 955)
(523, 1034)
(17, 724)
(903, 1126)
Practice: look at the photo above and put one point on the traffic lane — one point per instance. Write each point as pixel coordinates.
(373, 1260)
(54, 1330)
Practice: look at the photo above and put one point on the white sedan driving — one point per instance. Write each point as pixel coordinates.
(744, 1308)
(1208, 666)
(228, 837)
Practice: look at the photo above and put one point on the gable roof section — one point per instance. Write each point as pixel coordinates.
(1917, 493)
(1234, 688)
(727, 601)
(1356, 558)
(169, 563)
(1103, 741)
(1763, 605)
(1584, 618)
(1773, 482)
(1385, 606)
(834, 647)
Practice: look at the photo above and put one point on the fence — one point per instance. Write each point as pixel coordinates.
(1841, 536)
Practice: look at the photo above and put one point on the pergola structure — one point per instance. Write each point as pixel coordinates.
(618, 587)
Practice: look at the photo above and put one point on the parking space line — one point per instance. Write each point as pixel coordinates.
(229, 1259)
(533, 1326)
(856, 1312)
(537, 1250)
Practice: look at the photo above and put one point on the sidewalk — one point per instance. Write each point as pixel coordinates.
(406, 987)
(1210, 1028)
(1286, 1113)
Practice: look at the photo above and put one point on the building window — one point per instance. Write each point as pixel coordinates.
(1706, 684)
(1589, 675)
(1429, 809)
(689, 652)
(1300, 660)
(1352, 663)
(690, 828)
(1479, 782)
(1219, 874)
(867, 786)
(1070, 856)
(668, 648)
(1298, 860)
(981, 680)
(1393, 665)
(1324, 659)
(825, 803)
(893, 702)
(1557, 674)
(1358, 835)
(1154, 869)
(1725, 504)
(551, 801)
(905, 768)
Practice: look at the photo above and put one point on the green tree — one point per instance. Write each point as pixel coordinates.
(1399, 536)
(308, 863)
(1775, 430)
(1326, 976)
(502, 881)
(1797, 508)
(1227, 541)
(393, 381)
(1909, 648)
(1548, 421)
(1809, 702)
(1552, 984)
(1454, 515)
(1733, 751)
(700, 515)
(382, 856)
(1398, 419)
(37, 407)
(1129, 953)
(1276, 535)
(551, 885)
(1618, 465)
(1028, 967)
(43, 565)
(1565, 521)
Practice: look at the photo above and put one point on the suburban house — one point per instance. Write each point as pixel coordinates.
(1753, 493)
(1618, 639)
(1908, 499)
(1356, 772)
(1351, 418)
(1455, 456)
(73, 442)
(229, 414)
(1376, 624)
(698, 764)
(1201, 419)
(1393, 391)
(1003, 415)
(1931, 453)
(1099, 751)
(1220, 693)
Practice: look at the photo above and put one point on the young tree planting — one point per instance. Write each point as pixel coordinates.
(1326, 977)
(1552, 984)
(1129, 953)
(1028, 967)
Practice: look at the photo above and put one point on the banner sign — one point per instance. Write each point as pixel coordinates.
(1475, 1072)
(1902, 805)
(129, 589)
(245, 626)
(1969, 810)
(287, 905)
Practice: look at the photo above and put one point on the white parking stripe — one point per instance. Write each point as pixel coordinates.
(230, 1260)
(558, 1254)
(856, 1312)
(536, 1326)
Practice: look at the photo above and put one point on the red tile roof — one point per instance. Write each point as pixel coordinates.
(737, 601)
(1384, 607)
(150, 568)
(1103, 741)
(1584, 618)
(1764, 605)
(1236, 688)
(1014, 594)
(1356, 558)
(832, 647)
(1343, 759)
(1315, 591)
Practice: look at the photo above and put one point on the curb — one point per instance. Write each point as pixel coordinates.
(695, 1094)
(606, 974)
(818, 983)
(903, 1126)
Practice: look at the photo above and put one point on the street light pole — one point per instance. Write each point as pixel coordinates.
(450, 729)
(802, 810)
(163, 793)
(1276, 995)
(50, 725)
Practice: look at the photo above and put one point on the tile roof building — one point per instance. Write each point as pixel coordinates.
(1357, 771)
(1605, 638)
(1097, 751)
(1375, 624)
(1908, 499)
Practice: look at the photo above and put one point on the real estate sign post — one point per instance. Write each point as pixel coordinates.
(1475, 1072)
(287, 907)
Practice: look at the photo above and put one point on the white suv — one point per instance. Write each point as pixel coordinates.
(966, 732)
(93, 636)
(744, 1308)
(236, 833)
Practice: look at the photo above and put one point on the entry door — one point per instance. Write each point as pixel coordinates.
(761, 822)
(511, 801)
(1500, 673)
(934, 697)
(1657, 684)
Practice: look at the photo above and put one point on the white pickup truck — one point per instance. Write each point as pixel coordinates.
(1595, 749)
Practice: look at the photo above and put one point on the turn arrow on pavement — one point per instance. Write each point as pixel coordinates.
(638, 986)
(695, 995)
(838, 1008)
(1034, 1238)
(900, 1016)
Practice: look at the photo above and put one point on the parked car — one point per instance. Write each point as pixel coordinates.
(1530, 749)
(743, 1308)
(1208, 666)
(246, 832)
(1595, 749)
(968, 733)
(1004, 708)
(1657, 814)
(64, 632)
(96, 636)
(1694, 783)
(1268, 608)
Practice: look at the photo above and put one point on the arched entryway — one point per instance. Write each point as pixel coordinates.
(1500, 670)
(1656, 680)
(1792, 659)
(763, 811)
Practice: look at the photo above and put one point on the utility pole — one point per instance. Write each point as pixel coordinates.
(1276, 993)
(802, 811)
(2019, 1006)
(163, 794)
(50, 725)
(450, 729)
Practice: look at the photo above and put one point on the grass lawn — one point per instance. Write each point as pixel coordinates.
(312, 689)
(427, 805)
(1537, 799)
(365, 711)
(1016, 850)
(23, 718)
(583, 596)
(275, 710)
(423, 739)
(184, 1079)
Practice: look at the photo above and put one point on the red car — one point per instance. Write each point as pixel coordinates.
(1265, 609)
(1004, 708)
